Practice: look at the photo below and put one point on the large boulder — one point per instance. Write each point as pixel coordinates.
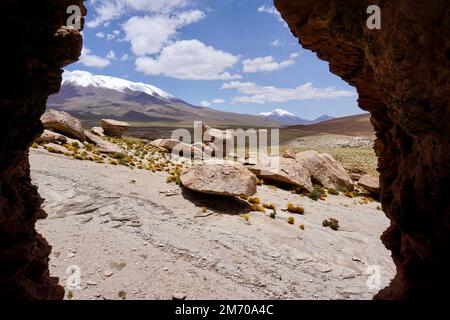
(64, 123)
(98, 131)
(283, 171)
(178, 147)
(325, 170)
(221, 139)
(103, 146)
(114, 128)
(370, 183)
(227, 179)
(50, 137)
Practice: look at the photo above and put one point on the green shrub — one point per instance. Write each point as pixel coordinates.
(332, 223)
(333, 192)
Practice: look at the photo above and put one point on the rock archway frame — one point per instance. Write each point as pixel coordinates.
(401, 73)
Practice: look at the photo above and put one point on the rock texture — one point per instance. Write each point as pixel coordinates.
(114, 128)
(226, 179)
(324, 170)
(38, 47)
(98, 131)
(370, 183)
(402, 74)
(287, 172)
(102, 145)
(178, 147)
(49, 136)
(64, 123)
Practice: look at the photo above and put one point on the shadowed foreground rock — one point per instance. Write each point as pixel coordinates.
(38, 47)
(402, 76)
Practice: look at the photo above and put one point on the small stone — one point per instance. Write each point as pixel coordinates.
(107, 273)
(91, 283)
(179, 296)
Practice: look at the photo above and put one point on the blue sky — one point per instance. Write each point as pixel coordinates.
(229, 55)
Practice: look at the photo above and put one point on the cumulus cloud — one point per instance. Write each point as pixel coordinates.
(125, 57)
(91, 60)
(206, 103)
(190, 60)
(276, 43)
(149, 34)
(255, 94)
(107, 10)
(111, 55)
(271, 10)
(267, 64)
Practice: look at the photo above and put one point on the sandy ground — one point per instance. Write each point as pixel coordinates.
(131, 238)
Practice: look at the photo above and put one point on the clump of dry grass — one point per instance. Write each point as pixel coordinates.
(291, 220)
(295, 209)
(254, 200)
(270, 206)
(257, 207)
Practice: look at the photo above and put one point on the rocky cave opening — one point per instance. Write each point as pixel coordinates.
(401, 73)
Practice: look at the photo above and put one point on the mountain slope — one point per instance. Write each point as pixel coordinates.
(92, 97)
(358, 125)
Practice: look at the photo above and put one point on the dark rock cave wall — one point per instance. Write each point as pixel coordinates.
(35, 48)
(401, 73)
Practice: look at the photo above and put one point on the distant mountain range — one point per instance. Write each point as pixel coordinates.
(93, 97)
(286, 118)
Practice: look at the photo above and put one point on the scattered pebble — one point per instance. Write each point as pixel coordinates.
(108, 273)
(179, 296)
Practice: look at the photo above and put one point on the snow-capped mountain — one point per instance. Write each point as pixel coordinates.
(283, 117)
(287, 118)
(86, 79)
(92, 97)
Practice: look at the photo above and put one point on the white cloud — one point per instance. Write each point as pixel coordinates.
(107, 10)
(149, 34)
(125, 57)
(253, 93)
(90, 60)
(206, 103)
(271, 10)
(111, 55)
(276, 43)
(100, 35)
(190, 60)
(266, 64)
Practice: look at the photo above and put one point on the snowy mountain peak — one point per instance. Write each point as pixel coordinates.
(277, 112)
(285, 117)
(87, 79)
